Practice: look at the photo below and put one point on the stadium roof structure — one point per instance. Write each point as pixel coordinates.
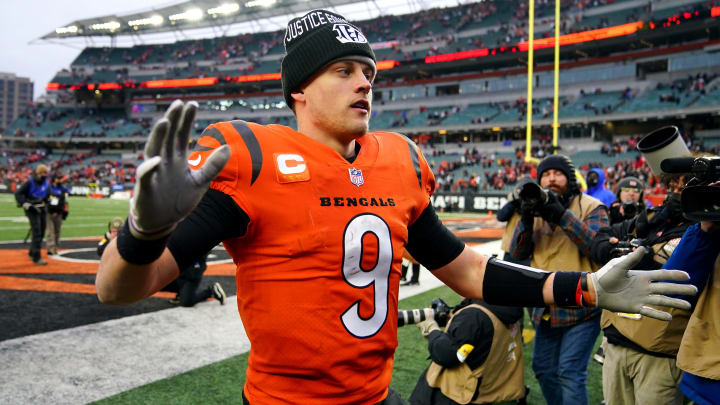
(197, 14)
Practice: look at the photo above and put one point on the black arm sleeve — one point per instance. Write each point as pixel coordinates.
(431, 243)
(216, 218)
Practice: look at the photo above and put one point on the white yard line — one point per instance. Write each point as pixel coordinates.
(91, 362)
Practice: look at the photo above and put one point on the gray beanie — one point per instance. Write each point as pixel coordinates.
(316, 39)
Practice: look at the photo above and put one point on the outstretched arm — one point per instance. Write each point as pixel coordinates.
(613, 287)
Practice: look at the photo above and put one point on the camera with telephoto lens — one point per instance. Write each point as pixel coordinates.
(532, 197)
(438, 310)
(700, 201)
(631, 209)
(625, 247)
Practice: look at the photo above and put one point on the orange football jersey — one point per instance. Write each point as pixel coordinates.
(318, 269)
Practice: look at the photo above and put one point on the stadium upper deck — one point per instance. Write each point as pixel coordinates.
(458, 74)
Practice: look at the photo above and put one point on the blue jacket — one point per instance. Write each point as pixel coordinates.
(696, 255)
(599, 191)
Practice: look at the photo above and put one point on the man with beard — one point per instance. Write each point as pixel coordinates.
(557, 236)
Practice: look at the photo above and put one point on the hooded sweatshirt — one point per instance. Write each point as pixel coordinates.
(599, 191)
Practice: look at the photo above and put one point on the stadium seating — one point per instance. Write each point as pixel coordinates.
(421, 107)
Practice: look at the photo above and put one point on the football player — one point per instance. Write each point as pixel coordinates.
(316, 221)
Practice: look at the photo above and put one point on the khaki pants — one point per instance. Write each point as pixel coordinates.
(630, 377)
(54, 224)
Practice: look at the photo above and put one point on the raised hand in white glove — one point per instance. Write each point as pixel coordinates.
(619, 289)
(427, 326)
(166, 190)
(26, 206)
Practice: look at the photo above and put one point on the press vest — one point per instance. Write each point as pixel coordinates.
(509, 232)
(651, 334)
(700, 347)
(502, 372)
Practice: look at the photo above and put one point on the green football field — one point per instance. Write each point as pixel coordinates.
(222, 382)
(88, 217)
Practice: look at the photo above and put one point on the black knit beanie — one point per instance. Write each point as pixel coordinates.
(630, 182)
(565, 165)
(316, 39)
(557, 162)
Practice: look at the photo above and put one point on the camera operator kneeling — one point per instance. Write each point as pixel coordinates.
(477, 359)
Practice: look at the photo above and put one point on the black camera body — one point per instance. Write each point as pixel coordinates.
(631, 209)
(625, 247)
(700, 202)
(439, 310)
(532, 197)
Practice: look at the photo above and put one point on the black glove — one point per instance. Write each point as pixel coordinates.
(553, 209)
(672, 208)
(615, 215)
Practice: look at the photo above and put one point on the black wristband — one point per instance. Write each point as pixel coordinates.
(566, 289)
(139, 251)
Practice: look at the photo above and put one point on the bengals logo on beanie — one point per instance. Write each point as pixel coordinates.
(316, 39)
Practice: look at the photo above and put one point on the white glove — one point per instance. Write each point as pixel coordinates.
(166, 190)
(620, 289)
(26, 206)
(427, 326)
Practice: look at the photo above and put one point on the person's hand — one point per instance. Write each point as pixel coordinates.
(710, 226)
(427, 326)
(619, 289)
(672, 207)
(26, 206)
(166, 190)
(553, 209)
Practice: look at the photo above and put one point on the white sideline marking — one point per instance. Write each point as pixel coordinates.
(92, 362)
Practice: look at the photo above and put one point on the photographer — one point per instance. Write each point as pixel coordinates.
(186, 286)
(657, 228)
(33, 196)
(698, 355)
(477, 359)
(113, 227)
(640, 353)
(630, 201)
(510, 214)
(559, 241)
(56, 212)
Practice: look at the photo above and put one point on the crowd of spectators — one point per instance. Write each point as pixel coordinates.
(35, 120)
(472, 170)
(693, 85)
(442, 37)
(79, 168)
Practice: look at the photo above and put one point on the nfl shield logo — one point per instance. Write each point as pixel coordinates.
(356, 177)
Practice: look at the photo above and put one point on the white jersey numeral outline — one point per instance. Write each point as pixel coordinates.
(377, 278)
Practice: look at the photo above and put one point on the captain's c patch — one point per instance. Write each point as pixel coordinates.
(290, 168)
